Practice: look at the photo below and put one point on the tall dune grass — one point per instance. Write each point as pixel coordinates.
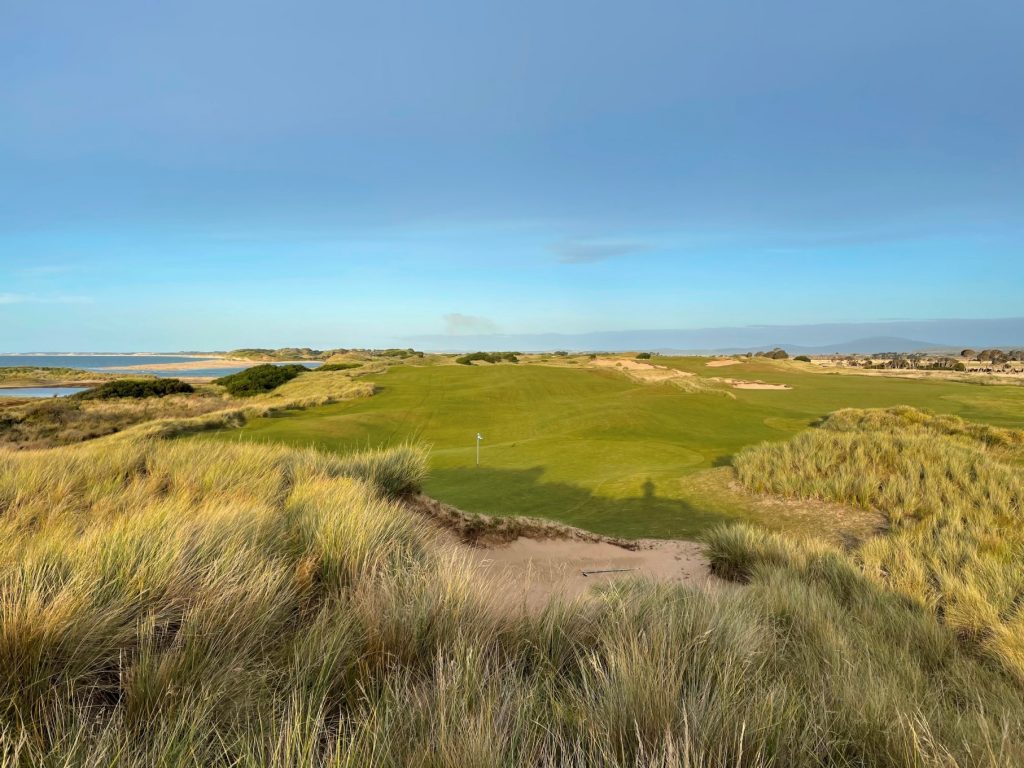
(954, 500)
(175, 603)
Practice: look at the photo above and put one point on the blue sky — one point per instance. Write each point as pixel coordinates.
(217, 174)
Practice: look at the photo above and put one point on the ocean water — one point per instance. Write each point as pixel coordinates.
(92, 362)
(39, 391)
(125, 364)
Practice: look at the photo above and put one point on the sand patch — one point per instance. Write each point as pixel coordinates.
(641, 371)
(758, 385)
(746, 384)
(721, 363)
(192, 365)
(531, 572)
(528, 561)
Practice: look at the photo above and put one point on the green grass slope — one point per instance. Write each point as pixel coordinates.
(597, 450)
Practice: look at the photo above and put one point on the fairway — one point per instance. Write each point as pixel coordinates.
(597, 450)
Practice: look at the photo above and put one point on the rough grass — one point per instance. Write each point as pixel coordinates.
(954, 499)
(485, 530)
(32, 376)
(177, 603)
(63, 421)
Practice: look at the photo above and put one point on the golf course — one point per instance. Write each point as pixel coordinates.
(595, 448)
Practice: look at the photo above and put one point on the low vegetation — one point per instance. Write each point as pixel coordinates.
(259, 379)
(487, 357)
(282, 354)
(52, 422)
(32, 376)
(177, 603)
(137, 388)
(58, 421)
(326, 367)
(953, 495)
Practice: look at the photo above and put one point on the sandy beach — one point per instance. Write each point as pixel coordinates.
(191, 365)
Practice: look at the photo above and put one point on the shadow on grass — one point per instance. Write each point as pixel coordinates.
(522, 492)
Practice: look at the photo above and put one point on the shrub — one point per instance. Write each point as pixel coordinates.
(487, 357)
(644, 356)
(561, 353)
(338, 367)
(137, 388)
(408, 352)
(802, 358)
(259, 379)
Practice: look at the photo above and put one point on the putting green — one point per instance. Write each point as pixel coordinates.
(595, 449)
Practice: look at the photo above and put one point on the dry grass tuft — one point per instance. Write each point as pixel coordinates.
(183, 603)
(954, 499)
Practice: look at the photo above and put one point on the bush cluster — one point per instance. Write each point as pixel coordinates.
(137, 388)
(644, 356)
(775, 354)
(407, 352)
(487, 357)
(259, 379)
(338, 367)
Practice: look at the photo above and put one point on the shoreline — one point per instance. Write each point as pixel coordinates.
(200, 364)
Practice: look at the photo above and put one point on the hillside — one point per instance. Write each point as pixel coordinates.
(203, 604)
(594, 447)
(33, 376)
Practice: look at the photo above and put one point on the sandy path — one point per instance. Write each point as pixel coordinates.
(532, 571)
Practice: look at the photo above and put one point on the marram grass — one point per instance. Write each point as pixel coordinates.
(953, 496)
(174, 603)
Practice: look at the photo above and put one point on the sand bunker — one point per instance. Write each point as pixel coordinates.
(721, 363)
(758, 385)
(528, 561)
(530, 572)
(640, 371)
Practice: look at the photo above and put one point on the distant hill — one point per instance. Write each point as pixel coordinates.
(868, 345)
(894, 336)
